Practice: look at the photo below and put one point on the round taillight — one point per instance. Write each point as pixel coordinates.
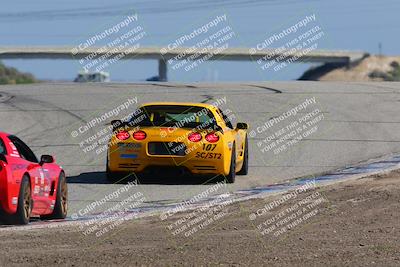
(123, 135)
(139, 135)
(194, 137)
(212, 137)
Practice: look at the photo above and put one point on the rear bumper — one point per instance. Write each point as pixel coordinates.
(149, 164)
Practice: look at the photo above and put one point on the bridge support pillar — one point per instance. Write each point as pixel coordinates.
(162, 70)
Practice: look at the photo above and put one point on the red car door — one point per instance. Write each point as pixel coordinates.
(40, 182)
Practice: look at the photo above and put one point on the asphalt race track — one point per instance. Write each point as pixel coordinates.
(359, 121)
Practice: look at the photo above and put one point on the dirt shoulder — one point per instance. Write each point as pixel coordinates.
(354, 223)
(372, 68)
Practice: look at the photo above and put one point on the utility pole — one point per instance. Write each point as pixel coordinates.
(380, 49)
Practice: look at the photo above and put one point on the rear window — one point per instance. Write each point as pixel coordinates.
(170, 116)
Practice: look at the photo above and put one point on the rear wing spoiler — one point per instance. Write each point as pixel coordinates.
(118, 124)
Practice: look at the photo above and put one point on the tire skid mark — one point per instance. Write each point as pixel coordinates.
(4, 97)
(265, 87)
(42, 103)
(15, 103)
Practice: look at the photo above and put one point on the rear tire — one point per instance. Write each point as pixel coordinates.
(115, 177)
(61, 205)
(111, 176)
(245, 167)
(230, 178)
(119, 177)
(24, 208)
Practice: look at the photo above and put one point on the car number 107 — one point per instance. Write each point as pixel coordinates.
(209, 147)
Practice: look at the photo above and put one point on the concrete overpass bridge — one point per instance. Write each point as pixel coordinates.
(163, 54)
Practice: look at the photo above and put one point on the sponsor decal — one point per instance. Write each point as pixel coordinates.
(12, 146)
(128, 156)
(41, 173)
(129, 147)
(14, 201)
(17, 167)
(14, 152)
(36, 190)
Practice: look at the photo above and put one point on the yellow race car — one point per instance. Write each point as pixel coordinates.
(193, 138)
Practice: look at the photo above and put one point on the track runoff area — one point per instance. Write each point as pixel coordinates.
(296, 129)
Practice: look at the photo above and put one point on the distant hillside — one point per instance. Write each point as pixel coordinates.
(372, 68)
(9, 75)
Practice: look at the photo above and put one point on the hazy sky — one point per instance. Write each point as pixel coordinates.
(347, 25)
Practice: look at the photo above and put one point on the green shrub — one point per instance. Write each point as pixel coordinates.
(9, 75)
(391, 76)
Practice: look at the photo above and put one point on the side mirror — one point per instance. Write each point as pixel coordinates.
(116, 124)
(242, 126)
(46, 159)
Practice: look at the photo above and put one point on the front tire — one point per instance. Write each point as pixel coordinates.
(245, 167)
(61, 205)
(113, 177)
(119, 177)
(230, 178)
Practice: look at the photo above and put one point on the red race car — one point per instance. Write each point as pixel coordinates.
(28, 186)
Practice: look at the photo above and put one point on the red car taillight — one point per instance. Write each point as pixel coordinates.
(212, 137)
(194, 137)
(123, 135)
(139, 135)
